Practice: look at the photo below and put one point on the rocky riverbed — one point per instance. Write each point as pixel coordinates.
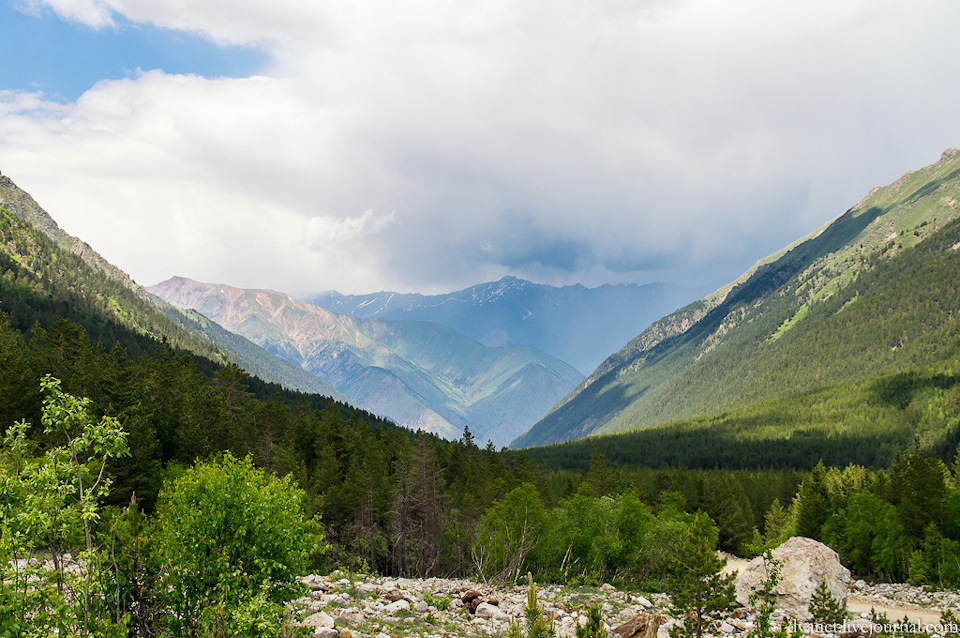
(359, 606)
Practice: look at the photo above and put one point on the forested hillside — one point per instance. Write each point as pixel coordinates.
(50, 273)
(162, 471)
(873, 293)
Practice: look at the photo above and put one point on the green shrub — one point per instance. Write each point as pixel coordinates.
(539, 625)
(699, 591)
(52, 571)
(232, 539)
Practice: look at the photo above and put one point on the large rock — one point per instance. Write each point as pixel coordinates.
(805, 563)
(640, 626)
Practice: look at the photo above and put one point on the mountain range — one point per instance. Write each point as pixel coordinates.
(66, 277)
(864, 309)
(575, 324)
(423, 375)
(874, 292)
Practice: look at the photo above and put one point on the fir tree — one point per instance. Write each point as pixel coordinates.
(824, 608)
(700, 594)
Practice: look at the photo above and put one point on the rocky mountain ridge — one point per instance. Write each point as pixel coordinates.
(575, 324)
(422, 375)
(111, 293)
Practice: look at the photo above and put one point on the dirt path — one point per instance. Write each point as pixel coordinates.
(919, 615)
(859, 604)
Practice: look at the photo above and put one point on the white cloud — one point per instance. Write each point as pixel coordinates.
(427, 145)
(93, 13)
(327, 233)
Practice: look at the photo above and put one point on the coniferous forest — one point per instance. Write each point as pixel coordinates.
(386, 500)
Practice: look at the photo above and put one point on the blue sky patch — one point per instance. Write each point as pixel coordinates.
(63, 59)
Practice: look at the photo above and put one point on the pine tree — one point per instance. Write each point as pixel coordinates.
(700, 594)
(824, 608)
(538, 625)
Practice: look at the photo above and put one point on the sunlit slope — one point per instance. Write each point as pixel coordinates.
(64, 276)
(872, 293)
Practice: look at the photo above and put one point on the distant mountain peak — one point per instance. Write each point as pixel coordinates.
(575, 324)
(422, 375)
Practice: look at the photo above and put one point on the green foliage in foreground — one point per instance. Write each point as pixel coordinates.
(538, 624)
(49, 504)
(220, 559)
(231, 537)
(824, 608)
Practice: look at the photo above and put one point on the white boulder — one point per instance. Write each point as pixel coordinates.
(804, 564)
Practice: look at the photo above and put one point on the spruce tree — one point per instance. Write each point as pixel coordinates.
(824, 608)
(700, 594)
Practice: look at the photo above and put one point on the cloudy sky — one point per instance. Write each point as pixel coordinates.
(428, 145)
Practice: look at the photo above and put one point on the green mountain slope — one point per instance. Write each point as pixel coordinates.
(872, 293)
(423, 375)
(47, 273)
(865, 422)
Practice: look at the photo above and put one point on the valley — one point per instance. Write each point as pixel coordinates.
(422, 375)
(816, 396)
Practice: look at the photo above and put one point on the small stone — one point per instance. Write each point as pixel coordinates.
(352, 618)
(608, 587)
(319, 619)
(627, 613)
(643, 601)
(421, 607)
(567, 628)
(326, 632)
(727, 628)
(486, 610)
(664, 629)
(397, 606)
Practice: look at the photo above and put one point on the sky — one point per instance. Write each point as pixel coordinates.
(429, 145)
